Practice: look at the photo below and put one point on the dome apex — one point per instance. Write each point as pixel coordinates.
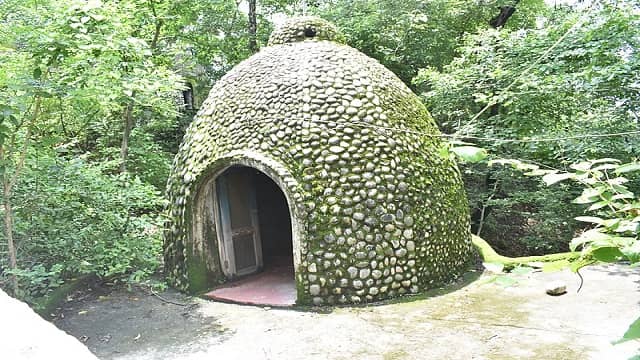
(303, 28)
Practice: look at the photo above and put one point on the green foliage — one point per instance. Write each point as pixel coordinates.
(614, 213)
(69, 70)
(632, 333)
(73, 219)
(408, 35)
(521, 215)
(616, 232)
(470, 154)
(574, 73)
(148, 160)
(215, 34)
(37, 281)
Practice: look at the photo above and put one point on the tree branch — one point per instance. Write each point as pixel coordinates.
(158, 26)
(25, 146)
(484, 208)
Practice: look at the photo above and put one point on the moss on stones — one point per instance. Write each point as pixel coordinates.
(378, 212)
(489, 255)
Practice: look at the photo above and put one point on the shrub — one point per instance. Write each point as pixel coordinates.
(72, 219)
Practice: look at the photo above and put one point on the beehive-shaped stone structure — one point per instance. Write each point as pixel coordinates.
(376, 211)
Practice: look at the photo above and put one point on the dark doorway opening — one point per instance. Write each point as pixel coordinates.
(256, 239)
(275, 222)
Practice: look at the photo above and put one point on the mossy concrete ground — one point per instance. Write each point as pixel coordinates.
(477, 318)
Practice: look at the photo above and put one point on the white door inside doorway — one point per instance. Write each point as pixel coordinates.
(241, 245)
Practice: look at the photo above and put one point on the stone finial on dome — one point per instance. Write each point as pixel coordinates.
(305, 28)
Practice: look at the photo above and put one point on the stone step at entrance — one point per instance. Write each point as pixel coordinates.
(274, 286)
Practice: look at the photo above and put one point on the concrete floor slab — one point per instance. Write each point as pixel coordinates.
(494, 317)
(275, 286)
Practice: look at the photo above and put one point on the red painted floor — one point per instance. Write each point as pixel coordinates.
(274, 286)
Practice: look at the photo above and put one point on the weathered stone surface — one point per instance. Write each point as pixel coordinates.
(556, 287)
(372, 199)
(306, 28)
(314, 290)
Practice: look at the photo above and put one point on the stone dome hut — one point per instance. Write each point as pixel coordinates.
(313, 152)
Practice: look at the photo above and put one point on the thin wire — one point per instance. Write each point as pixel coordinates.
(481, 138)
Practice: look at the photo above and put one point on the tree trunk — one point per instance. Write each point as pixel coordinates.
(8, 232)
(505, 13)
(253, 27)
(128, 126)
(485, 207)
(158, 26)
(8, 181)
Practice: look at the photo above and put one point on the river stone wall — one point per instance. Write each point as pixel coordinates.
(380, 211)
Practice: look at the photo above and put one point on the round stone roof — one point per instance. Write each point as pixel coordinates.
(379, 211)
(305, 28)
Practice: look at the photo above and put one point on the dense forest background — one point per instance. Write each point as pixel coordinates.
(95, 97)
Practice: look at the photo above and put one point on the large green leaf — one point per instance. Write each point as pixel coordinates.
(470, 154)
(632, 333)
(579, 264)
(590, 219)
(634, 166)
(589, 236)
(551, 179)
(599, 205)
(588, 196)
(607, 254)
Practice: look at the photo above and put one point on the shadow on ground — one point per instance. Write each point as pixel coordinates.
(113, 321)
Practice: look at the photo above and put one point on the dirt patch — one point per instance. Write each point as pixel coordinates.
(481, 318)
(114, 321)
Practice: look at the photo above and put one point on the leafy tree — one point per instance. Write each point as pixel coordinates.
(220, 34)
(408, 35)
(574, 75)
(70, 73)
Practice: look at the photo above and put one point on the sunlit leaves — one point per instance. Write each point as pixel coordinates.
(553, 178)
(472, 154)
(625, 168)
(616, 234)
(406, 36)
(67, 69)
(633, 332)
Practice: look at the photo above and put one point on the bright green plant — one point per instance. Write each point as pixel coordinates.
(409, 35)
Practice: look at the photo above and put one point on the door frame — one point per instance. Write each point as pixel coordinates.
(204, 250)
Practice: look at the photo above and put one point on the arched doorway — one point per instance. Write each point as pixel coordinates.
(255, 238)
